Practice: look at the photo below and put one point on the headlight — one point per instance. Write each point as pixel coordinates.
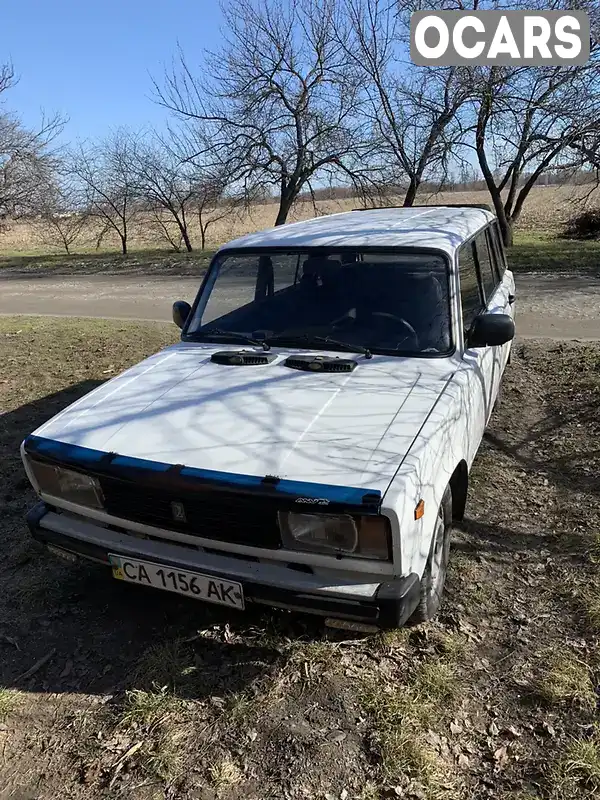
(366, 537)
(84, 490)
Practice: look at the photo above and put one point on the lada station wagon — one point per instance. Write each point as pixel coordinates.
(307, 444)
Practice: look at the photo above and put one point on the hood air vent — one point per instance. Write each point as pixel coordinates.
(321, 363)
(242, 358)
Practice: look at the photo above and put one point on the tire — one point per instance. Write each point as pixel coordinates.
(434, 574)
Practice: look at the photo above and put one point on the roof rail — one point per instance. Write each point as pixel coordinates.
(482, 206)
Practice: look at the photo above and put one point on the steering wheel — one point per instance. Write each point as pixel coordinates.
(384, 315)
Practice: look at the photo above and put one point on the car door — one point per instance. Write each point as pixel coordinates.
(498, 289)
(505, 275)
(477, 366)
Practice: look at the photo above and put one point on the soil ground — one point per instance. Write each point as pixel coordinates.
(109, 691)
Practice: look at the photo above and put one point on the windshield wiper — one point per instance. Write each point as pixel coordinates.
(307, 338)
(233, 336)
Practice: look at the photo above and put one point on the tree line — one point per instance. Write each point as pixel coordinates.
(307, 94)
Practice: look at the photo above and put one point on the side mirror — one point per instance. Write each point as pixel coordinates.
(491, 330)
(181, 311)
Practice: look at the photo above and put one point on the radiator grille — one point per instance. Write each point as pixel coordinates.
(223, 516)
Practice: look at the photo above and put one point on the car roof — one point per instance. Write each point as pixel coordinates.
(439, 227)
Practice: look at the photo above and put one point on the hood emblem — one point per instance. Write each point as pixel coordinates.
(178, 512)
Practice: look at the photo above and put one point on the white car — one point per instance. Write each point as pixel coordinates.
(308, 442)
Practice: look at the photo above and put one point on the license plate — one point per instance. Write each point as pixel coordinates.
(170, 579)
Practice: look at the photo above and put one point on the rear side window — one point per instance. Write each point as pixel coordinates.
(470, 285)
(497, 249)
(487, 271)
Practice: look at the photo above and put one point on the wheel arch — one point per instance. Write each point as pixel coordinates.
(459, 485)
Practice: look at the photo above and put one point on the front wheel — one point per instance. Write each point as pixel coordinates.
(434, 574)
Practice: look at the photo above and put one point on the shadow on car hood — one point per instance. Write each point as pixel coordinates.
(333, 428)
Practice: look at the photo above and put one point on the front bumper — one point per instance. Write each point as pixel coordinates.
(385, 605)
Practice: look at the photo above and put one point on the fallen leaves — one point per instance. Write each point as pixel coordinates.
(501, 756)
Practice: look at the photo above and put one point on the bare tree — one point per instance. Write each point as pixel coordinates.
(527, 122)
(164, 182)
(413, 113)
(278, 99)
(588, 149)
(105, 173)
(27, 158)
(213, 204)
(7, 76)
(61, 220)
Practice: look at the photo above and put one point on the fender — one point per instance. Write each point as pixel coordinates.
(450, 435)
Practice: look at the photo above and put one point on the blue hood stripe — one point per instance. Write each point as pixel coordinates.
(109, 463)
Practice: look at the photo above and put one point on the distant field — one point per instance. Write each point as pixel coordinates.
(546, 210)
(533, 251)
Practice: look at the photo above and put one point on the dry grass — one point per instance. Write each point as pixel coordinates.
(166, 664)
(561, 678)
(587, 601)
(405, 719)
(9, 700)
(546, 209)
(163, 755)
(225, 773)
(577, 773)
(149, 708)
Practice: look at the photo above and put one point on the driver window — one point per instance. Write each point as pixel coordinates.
(245, 284)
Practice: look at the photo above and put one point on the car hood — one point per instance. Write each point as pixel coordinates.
(178, 407)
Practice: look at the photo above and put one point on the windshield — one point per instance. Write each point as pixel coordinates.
(387, 302)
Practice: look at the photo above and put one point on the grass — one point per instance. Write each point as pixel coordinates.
(370, 791)
(9, 700)
(533, 252)
(436, 684)
(163, 755)
(313, 657)
(148, 708)
(53, 363)
(399, 738)
(169, 664)
(145, 261)
(473, 578)
(403, 718)
(577, 773)
(587, 601)
(225, 773)
(563, 679)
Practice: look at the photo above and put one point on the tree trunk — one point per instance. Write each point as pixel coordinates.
(286, 200)
(202, 237)
(507, 231)
(123, 243)
(411, 193)
(503, 220)
(186, 239)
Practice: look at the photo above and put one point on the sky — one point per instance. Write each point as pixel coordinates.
(93, 62)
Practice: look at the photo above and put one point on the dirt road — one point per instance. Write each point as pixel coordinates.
(549, 305)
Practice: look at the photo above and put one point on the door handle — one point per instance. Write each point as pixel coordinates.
(511, 299)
